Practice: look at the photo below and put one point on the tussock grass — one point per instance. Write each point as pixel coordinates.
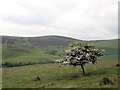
(53, 76)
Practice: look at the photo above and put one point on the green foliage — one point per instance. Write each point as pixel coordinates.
(80, 53)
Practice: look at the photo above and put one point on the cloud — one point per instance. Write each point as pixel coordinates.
(82, 19)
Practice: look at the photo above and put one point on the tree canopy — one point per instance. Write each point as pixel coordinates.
(80, 54)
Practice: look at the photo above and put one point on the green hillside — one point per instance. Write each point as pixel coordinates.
(107, 43)
(36, 55)
(19, 45)
(110, 47)
(45, 49)
(28, 50)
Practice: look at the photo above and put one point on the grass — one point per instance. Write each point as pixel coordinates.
(31, 58)
(0, 78)
(107, 43)
(37, 55)
(22, 50)
(53, 76)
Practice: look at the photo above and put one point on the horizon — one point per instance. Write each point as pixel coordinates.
(58, 36)
(80, 19)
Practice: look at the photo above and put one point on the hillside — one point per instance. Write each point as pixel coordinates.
(46, 48)
(110, 47)
(38, 41)
(17, 45)
(107, 43)
(36, 57)
(50, 40)
(53, 41)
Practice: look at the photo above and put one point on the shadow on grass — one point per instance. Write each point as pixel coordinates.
(104, 71)
(99, 72)
(70, 76)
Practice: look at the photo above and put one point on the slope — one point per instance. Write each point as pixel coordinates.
(46, 48)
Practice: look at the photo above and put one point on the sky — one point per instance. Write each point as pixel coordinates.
(80, 19)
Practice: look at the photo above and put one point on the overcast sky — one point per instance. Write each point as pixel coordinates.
(81, 19)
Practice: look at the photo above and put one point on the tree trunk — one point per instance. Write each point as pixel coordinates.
(82, 69)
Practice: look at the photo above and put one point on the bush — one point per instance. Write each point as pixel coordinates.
(106, 81)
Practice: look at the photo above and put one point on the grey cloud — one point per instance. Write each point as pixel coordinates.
(30, 20)
(34, 16)
(83, 19)
(27, 13)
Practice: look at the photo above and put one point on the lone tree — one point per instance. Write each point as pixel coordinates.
(80, 54)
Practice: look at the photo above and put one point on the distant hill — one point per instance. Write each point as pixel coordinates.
(50, 40)
(37, 41)
(110, 47)
(27, 43)
(107, 43)
(16, 45)
(38, 48)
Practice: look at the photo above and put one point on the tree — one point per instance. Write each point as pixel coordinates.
(80, 54)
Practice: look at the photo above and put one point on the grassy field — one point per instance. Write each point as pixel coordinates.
(39, 55)
(53, 76)
(0, 78)
(19, 50)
